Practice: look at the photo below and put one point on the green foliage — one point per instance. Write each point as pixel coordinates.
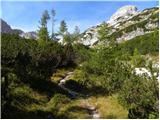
(76, 34)
(110, 68)
(67, 38)
(82, 53)
(137, 60)
(140, 96)
(57, 101)
(105, 70)
(44, 19)
(63, 27)
(27, 66)
(154, 16)
(43, 32)
(103, 31)
(25, 62)
(145, 44)
(43, 35)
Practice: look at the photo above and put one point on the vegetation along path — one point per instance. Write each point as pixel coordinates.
(92, 109)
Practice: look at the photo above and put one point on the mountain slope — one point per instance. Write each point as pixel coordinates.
(125, 24)
(6, 28)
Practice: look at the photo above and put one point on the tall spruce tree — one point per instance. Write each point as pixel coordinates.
(43, 31)
(63, 27)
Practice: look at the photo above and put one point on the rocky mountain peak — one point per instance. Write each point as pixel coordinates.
(125, 24)
(6, 28)
(124, 12)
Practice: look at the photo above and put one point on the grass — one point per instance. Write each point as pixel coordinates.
(59, 106)
(33, 104)
(109, 107)
(60, 74)
(27, 99)
(76, 109)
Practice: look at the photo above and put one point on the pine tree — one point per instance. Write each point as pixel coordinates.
(53, 13)
(43, 32)
(63, 27)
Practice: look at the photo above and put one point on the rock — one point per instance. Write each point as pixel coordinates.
(142, 71)
(131, 35)
(29, 35)
(145, 22)
(123, 13)
(96, 116)
(151, 25)
(90, 37)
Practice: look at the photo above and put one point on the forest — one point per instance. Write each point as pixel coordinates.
(102, 77)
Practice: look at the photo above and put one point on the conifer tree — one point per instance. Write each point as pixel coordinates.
(53, 13)
(43, 32)
(63, 27)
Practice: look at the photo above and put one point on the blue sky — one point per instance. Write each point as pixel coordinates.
(26, 14)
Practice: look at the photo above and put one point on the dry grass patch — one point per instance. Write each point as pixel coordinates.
(108, 107)
(74, 109)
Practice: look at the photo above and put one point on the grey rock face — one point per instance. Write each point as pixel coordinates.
(131, 35)
(126, 17)
(151, 25)
(90, 37)
(123, 14)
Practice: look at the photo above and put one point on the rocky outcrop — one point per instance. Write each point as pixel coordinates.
(90, 37)
(124, 25)
(123, 14)
(29, 35)
(131, 35)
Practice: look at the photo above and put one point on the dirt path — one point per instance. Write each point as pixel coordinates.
(92, 109)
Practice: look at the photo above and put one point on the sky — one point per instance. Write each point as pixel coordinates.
(25, 15)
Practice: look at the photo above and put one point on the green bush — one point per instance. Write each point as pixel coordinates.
(145, 44)
(140, 96)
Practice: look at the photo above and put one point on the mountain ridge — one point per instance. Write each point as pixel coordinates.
(125, 24)
(125, 28)
(6, 28)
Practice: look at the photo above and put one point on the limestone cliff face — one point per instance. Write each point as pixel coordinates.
(123, 14)
(125, 24)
